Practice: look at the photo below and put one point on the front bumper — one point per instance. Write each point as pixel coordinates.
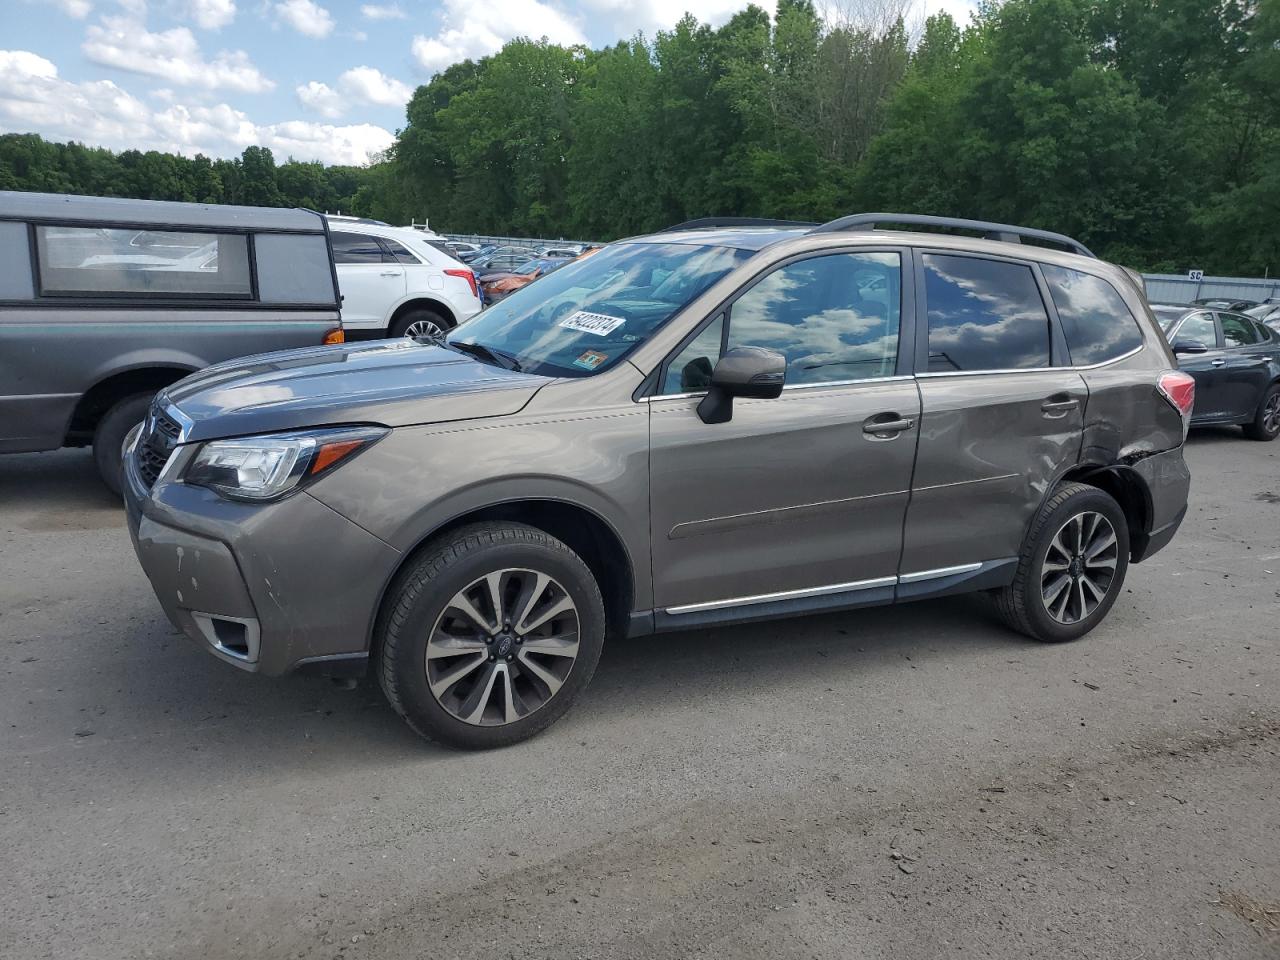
(269, 587)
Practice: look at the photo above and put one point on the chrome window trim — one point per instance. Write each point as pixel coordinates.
(1077, 367)
(928, 374)
(897, 377)
(849, 587)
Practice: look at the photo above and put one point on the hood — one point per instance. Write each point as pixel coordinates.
(391, 382)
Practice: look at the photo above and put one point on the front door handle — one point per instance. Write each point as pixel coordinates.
(886, 426)
(1219, 362)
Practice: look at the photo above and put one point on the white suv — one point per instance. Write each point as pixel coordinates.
(396, 283)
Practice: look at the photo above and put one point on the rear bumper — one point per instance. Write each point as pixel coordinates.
(1168, 484)
(268, 588)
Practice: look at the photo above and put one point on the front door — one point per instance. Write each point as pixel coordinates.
(1000, 422)
(800, 494)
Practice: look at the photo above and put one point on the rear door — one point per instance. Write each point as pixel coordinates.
(1002, 413)
(803, 495)
(1206, 368)
(370, 280)
(1247, 371)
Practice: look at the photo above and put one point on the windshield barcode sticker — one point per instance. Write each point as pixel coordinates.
(600, 324)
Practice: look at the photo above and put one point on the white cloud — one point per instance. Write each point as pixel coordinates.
(360, 85)
(308, 18)
(209, 14)
(78, 9)
(471, 31)
(322, 99)
(124, 43)
(33, 98)
(383, 11)
(373, 86)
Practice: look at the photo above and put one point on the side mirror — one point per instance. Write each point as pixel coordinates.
(1189, 346)
(742, 372)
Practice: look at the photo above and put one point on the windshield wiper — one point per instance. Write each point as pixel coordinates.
(488, 354)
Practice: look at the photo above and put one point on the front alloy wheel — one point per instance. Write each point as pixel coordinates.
(502, 647)
(490, 635)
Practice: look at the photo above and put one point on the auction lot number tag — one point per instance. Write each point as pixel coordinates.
(599, 324)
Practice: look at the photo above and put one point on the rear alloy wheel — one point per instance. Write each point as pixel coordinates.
(1071, 568)
(422, 325)
(1266, 423)
(491, 636)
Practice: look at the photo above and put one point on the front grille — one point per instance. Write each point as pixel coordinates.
(160, 434)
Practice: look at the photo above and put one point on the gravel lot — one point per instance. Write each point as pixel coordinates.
(912, 782)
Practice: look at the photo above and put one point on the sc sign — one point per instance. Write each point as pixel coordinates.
(1195, 276)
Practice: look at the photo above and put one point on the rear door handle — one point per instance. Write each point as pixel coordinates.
(1219, 362)
(1058, 408)
(886, 426)
(389, 273)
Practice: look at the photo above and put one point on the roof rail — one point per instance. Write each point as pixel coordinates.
(991, 231)
(704, 223)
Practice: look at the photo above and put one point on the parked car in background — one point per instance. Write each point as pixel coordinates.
(105, 301)
(1235, 360)
(499, 284)
(504, 258)
(1224, 303)
(716, 427)
(1267, 312)
(463, 251)
(399, 282)
(564, 253)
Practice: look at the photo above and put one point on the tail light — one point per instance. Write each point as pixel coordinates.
(468, 276)
(1180, 390)
(334, 336)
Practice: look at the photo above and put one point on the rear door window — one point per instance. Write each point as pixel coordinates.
(1237, 331)
(1198, 327)
(400, 252)
(96, 261)
(1095, 320)
(355, 248)
(984, 315)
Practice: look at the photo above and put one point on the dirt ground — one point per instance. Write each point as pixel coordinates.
(899, 783)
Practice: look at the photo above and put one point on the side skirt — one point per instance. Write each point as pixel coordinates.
(922, 585)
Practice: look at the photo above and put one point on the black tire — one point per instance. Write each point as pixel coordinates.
(110, 433)
(417, 605)
(1266, 422)
(1022, 604)
(418, 315)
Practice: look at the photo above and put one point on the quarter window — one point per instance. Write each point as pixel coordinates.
(355, 248)
(90, 261)
(400, 252)
(984, 315)
(1097, 323)
(1237, 331)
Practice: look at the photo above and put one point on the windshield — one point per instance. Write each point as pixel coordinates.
(589, 314)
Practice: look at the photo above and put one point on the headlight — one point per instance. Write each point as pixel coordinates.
(268, 467)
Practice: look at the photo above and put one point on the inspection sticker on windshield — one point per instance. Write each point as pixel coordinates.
(600, 324)
(590, 360)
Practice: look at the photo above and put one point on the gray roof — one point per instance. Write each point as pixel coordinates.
(15, 205)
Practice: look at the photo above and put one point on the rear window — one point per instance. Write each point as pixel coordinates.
(984, 315)
(91, 261)
(1097, 323)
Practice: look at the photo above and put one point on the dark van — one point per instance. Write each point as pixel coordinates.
(105, 301)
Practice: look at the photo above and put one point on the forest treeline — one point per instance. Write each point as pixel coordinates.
(1150, 129)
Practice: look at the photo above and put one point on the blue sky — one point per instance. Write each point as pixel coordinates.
(312, 79)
